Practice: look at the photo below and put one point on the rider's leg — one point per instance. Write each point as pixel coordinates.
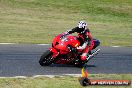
(96, 43)
(88, 49)
(84, 53)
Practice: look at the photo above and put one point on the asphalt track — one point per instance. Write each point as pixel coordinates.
(22, 60)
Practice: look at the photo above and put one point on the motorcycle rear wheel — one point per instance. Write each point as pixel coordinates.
(46, 58)
(79, 63)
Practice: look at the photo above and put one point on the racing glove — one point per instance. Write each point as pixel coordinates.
(64, 35)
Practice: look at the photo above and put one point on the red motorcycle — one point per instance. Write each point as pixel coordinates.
(63, 51)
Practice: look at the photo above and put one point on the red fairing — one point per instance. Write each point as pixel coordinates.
(56, 39)
(61, 45)
(55, 53)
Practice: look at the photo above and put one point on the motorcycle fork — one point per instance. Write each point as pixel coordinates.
(55, 52)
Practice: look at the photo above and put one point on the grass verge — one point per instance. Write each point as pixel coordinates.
(38, 21)
(59, 82)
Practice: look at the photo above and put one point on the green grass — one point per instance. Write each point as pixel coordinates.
(38, 21)
(59, 82)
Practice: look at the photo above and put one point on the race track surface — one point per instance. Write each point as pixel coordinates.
(22, 60)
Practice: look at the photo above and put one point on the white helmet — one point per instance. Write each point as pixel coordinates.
(82, 24)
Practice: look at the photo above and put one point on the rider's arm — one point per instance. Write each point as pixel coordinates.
(70, 31)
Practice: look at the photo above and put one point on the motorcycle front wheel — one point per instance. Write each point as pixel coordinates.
(46, 58)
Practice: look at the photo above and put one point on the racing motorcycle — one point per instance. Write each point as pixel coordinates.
(63, 51)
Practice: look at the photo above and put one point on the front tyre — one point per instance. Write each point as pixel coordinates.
(46, 59)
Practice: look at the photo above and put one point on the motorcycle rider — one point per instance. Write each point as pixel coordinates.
(85, 38)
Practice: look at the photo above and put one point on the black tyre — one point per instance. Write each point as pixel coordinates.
(85, 81)
(46, 58)
(79, 63)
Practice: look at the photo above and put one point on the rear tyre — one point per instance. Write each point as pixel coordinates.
(79, 64)
(46, 58)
